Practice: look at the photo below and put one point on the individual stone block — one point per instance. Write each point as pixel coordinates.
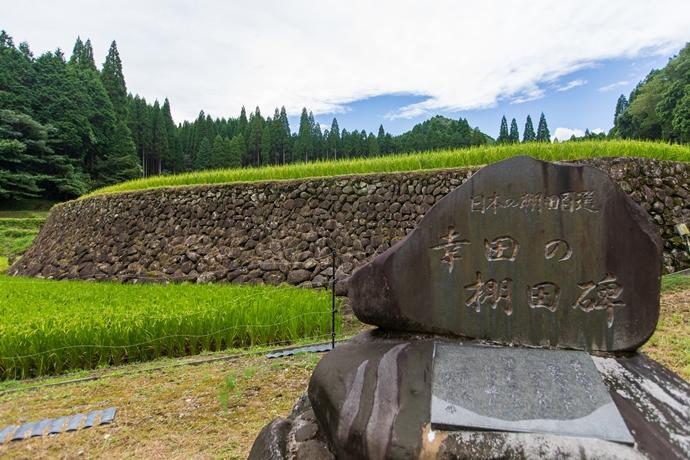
(90, 419)
(6, 432)
(108, 415)
(74, 421)
(271, 442)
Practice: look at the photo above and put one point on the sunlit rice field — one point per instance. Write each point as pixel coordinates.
(415, 161)
(50, 327)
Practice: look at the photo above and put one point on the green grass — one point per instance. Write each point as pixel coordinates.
(52, 327)
(16, 235)
(20, 222)
(32, 223)
(25, 209)
(671, 283)
(411, 162)
(42, 215)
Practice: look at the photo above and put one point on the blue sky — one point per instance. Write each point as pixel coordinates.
(585, 99)
(390, 62)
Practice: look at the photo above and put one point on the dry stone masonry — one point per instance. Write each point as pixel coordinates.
(281, 232)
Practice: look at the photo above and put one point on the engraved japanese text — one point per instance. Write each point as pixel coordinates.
(603, 295)
(451, 247)
(492, 292)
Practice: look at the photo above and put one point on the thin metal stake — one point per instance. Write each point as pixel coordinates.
(333, 311)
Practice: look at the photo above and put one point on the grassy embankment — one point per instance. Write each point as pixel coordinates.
(19, 225)
(414, 161)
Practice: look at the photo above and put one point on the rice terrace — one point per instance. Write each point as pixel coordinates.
(236, 288)
(52, 329)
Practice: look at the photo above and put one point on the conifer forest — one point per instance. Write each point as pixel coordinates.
(68, 127)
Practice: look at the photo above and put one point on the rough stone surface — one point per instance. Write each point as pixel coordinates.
(177, 234)
(271, 443)
(654, 401)
(314, 450)
(372, 396)
(306, 432)
(298, 437)
(525, 252)
(524, 390)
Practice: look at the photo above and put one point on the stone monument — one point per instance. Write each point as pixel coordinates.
(507, 327)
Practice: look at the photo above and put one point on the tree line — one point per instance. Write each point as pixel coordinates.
(63, 124)
(67, 127)
(513, 136)
(659, 106)
(256, 141)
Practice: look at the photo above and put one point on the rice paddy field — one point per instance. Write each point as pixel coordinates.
(16, 235)
(440, 159)
(55, 327)
(52, 327)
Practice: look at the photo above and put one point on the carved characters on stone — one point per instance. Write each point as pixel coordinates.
(536, 381)
(559, 381)
(501, 248)
(543, 295)
(451, 247)
(479, 204)
(571, 201)
(600, 296)
(574, 201)
(582, 379)
(603, 295)
(509, 364)
(555, 247)
(491, 291)
(491, 389)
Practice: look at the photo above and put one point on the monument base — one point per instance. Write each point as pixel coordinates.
(371, 398)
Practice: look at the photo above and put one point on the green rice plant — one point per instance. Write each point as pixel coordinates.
(249, 372)
(229, 384)
(441, 159)
(49, 327)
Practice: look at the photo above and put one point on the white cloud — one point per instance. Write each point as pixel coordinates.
(563, 134)
(606, 88)
(571, 85)
(220, 55)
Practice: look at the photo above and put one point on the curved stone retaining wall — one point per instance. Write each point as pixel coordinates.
(282, 232)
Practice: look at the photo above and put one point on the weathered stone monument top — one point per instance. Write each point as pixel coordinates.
(525, 252)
